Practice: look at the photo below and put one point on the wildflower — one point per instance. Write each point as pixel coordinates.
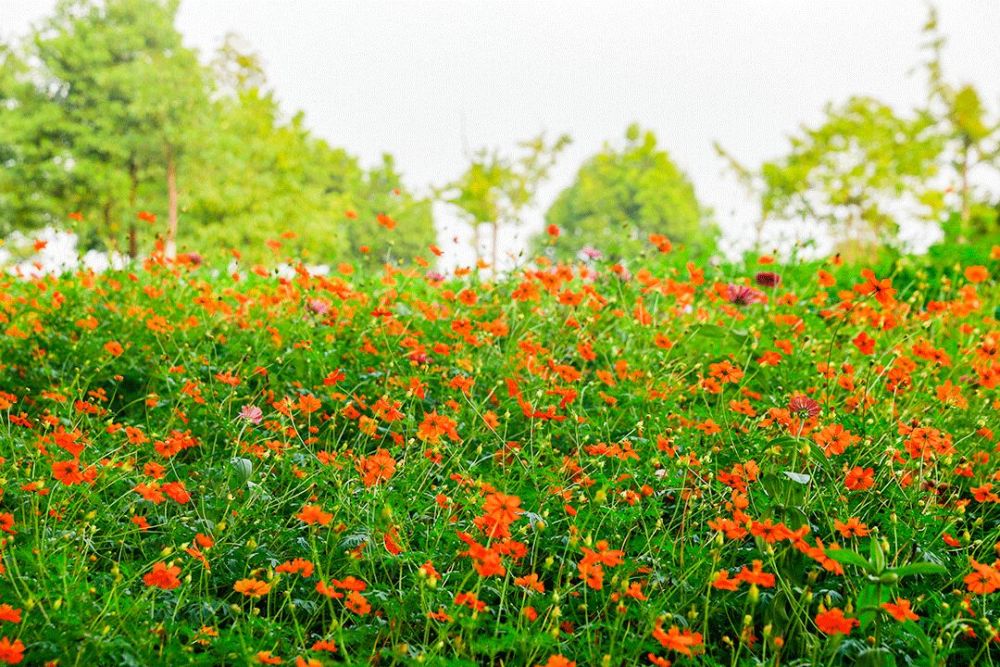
(357, 603)
(881, 289)
(9, 614)
(833, 622)
(674, 639)
(803, 406)
(864, 343)
(557, 661)
(11, 652)
(163, 576)
(314, 514)
(252, 587)
(741, 295)
(252, 414)
(767, 279)
(976, 274)
(983, 580)
(900, 610)
(860, 479)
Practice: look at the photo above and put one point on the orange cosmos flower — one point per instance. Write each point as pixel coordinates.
(900, 610)
(983, 580)
(163, 576)
(557, 660)
(357, 603)
(833, 622)
(676, 640)
(11, 652)
(860, 479)
(313, 514)
(252, 588)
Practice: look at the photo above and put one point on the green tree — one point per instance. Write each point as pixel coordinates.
(621, 196)
(858, 172)
(496, 189)
(971, 142)
(257, 176)
(103, 115)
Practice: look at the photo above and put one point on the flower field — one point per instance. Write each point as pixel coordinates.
(666, 464)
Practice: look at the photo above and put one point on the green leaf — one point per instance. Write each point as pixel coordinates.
(848, 557)
(919, 568)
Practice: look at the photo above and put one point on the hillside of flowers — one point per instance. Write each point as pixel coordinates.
(669, 463)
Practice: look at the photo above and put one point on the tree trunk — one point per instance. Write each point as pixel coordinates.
(494, 245)
(109, 226)
(133, 232)
(476, 240)
(170, 247)
(966, 209)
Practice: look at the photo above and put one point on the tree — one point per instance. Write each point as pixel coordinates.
(495, 189)
(867, 167)
(621, 196)
(103, 113)
(258, 176)
(971, 141)
(859, 171)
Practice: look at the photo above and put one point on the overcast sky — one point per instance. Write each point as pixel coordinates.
(412, 77)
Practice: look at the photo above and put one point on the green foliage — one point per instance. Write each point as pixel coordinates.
(851, 169)
(628, 444)
(621, 196)
(495, 189)
(113, 103)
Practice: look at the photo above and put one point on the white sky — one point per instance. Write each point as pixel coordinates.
(411, 77)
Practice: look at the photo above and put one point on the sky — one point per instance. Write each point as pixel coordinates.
(430, 80)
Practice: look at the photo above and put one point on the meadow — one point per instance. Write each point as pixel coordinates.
(673, 462)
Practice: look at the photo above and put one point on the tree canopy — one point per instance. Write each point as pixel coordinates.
(112, 125)
(622, 195)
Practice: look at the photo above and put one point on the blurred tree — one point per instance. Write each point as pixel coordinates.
(103, 114)
(106, 112)
(866, 167)
(971, 142)
(495, 190)
(620, 197)
(854, 170)
(259, 177)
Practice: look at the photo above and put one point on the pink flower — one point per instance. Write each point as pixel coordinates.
(803, 405)
(318, 306)
(252, 414)
(742, 295)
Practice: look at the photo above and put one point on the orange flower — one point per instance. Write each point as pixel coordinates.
(267, 658)
(312, 514)
(859, 479)
(881, 289)
(900, 610)
(852, 528)
(357, 603)
(976, 274)
(864, 343)
(163, 576)
(833, 622)
(676, 640)
(11, 652)
(530, 582)
(557, 660)
(9, 614)
(983, 580)
(252, 588)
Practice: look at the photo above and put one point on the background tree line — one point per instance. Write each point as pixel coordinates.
(110, 125)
